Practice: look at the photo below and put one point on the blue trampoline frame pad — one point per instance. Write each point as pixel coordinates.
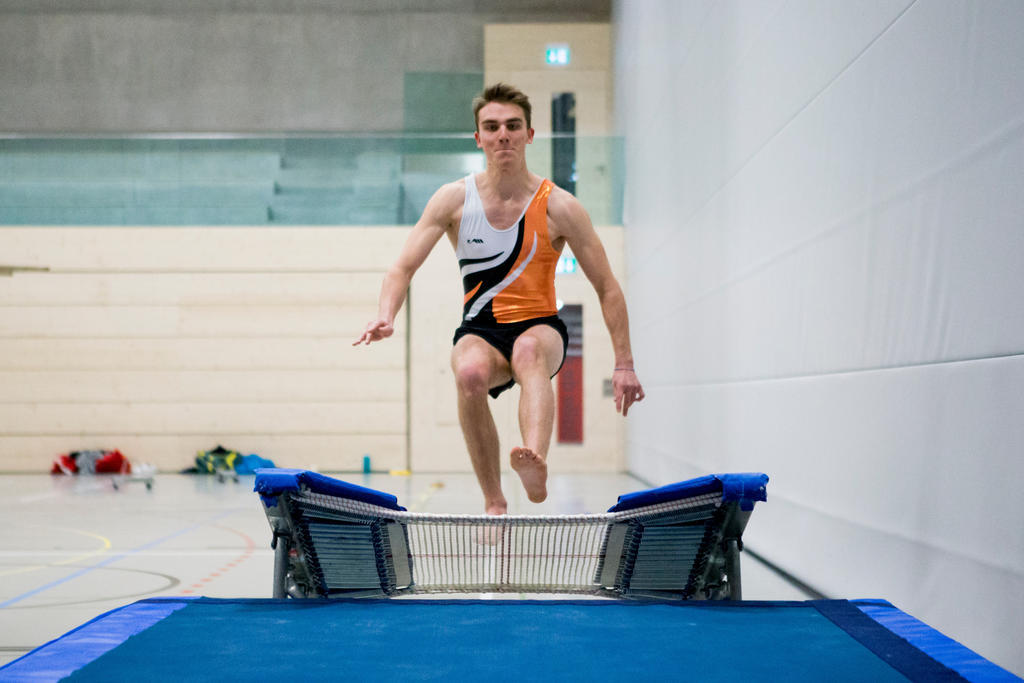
(204, 639)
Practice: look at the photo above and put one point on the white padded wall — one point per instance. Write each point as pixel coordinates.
(825, 245)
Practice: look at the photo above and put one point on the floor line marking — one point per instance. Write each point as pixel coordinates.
(110, 560)
(69, 560)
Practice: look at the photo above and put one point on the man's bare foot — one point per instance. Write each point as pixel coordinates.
(533, 471)
(496, 509)
(491, 534)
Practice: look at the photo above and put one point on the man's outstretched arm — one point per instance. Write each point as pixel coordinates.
(424, 236)
(575, 225)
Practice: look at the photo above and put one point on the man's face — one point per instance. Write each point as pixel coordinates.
(501, 131)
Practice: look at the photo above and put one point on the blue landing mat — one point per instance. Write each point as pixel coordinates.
(498, 640)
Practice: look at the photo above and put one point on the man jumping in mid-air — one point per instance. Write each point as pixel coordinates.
(508, 227)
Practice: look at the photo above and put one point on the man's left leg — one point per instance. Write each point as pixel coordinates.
(536, 355)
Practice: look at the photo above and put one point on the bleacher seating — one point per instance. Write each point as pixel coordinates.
(255, 181)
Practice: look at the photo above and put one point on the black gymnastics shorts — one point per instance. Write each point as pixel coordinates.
(502, 336)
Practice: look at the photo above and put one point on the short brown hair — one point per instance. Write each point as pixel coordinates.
(501, 92)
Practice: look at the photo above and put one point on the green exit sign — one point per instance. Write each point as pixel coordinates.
(557, 55)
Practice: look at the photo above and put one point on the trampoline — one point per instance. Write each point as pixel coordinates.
(660, 570)
(335, 539)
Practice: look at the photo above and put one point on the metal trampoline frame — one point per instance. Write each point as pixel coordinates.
(331, 546)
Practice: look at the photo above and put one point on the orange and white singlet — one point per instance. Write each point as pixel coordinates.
(508, 275)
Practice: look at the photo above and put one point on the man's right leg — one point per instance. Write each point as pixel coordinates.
(478, 366)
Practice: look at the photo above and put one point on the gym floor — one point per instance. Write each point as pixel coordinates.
(74, 547)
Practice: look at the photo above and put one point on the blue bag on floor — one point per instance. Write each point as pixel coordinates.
(248, 464)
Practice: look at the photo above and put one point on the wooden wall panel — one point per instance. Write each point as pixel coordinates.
(164, 341)
(190, 353)
(85, 288)
(307, 385)
(200, 417)
(201, 249)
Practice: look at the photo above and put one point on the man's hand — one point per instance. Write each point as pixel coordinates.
(627, 389)
(375, 331)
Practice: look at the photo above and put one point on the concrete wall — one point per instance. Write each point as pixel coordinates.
(824, 245)
(249, 65)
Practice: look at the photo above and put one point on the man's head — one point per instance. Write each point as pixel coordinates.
(501, 92)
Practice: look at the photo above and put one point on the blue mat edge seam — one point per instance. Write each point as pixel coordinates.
(949, 652)
(73, 655)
